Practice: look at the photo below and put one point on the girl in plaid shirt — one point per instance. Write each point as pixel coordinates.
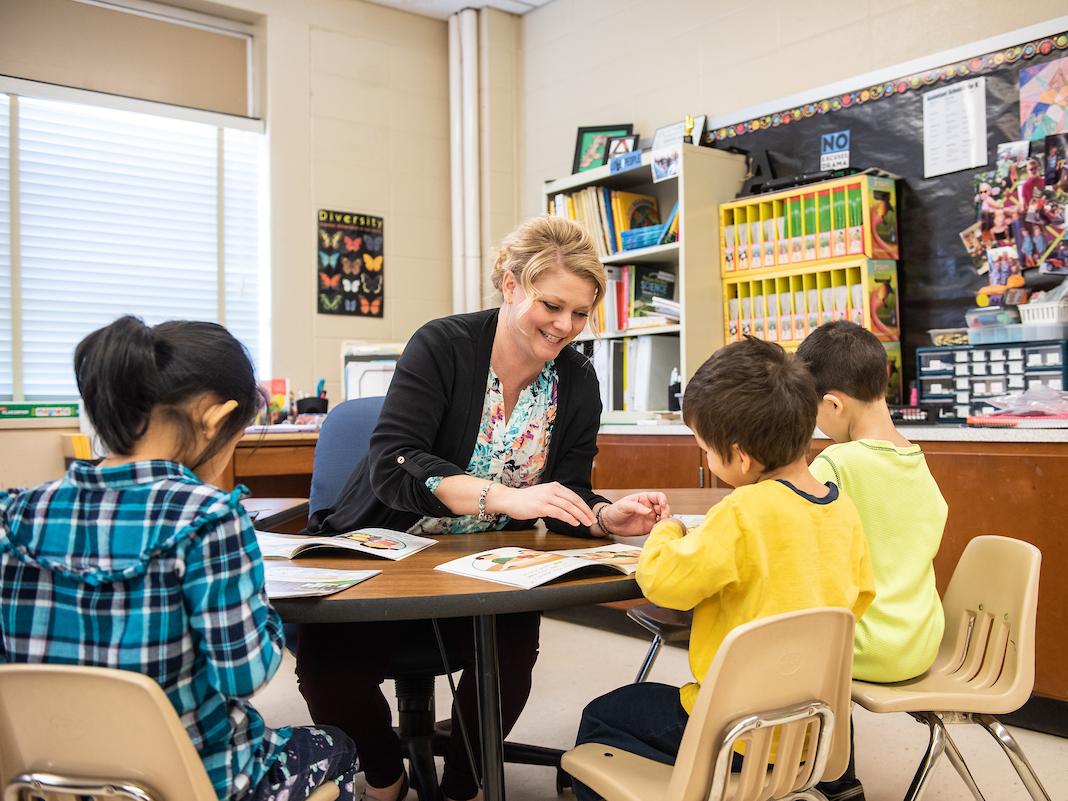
(140, 563)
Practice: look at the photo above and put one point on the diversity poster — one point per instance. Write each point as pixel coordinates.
(350, 269)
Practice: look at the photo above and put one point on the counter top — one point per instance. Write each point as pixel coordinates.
(915, 433)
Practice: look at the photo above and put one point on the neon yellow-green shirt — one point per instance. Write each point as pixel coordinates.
(903, 514)
(763, 550)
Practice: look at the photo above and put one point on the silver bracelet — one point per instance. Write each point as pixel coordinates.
(483, 517)
(600, 522)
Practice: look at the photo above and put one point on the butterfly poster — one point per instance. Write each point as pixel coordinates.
(349, 264)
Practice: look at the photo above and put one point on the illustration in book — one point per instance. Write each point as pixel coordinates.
(527, 568)
(382, 542)
(290, 581)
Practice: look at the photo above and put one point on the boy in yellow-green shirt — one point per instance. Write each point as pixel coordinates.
(900, 505)
(782, 541)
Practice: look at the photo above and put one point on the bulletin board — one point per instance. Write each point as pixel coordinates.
(938, 280)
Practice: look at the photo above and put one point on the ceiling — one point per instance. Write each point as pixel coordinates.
(443, 9)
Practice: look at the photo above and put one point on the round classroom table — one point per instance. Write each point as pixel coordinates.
(411, 589)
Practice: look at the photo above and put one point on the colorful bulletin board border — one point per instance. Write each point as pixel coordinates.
(978, 65)
(350, 264)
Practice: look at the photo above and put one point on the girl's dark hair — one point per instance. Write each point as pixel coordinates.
(127, 369)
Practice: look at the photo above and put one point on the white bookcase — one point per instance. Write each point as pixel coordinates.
(706, 179)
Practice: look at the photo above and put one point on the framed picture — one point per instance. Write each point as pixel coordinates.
(591, 145)
(618, 145)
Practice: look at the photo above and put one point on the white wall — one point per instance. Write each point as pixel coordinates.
(356, 100)
(593, 62)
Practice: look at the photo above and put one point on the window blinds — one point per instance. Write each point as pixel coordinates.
(119, 214)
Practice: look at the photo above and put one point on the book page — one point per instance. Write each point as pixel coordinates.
(518, 567)
(381, 542)
(620, 556)
(289, 581)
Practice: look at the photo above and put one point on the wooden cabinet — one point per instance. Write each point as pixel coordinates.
(272, 465)
(655, 462)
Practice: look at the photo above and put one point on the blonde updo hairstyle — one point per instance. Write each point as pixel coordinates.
(539, 245)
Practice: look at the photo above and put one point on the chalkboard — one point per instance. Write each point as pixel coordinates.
(937, 279)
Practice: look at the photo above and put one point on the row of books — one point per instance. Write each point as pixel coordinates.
(609, 214)
(634, 373)
(637, 296)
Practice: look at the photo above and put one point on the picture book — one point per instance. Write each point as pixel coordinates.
(649, 282)
(290, 581)
(632, 210)
(382, 542)
(526, 568)
(671, 227)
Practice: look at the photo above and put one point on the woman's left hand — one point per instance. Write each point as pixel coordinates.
(635, 515)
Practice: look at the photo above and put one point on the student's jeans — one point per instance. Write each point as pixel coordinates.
(647, 719)
(341, 667)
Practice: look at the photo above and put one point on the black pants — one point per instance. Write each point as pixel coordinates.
(340, 669)
(647, 719)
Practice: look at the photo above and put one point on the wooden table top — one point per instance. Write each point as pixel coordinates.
(411, 589)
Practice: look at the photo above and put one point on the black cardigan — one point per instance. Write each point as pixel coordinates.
(429, 425)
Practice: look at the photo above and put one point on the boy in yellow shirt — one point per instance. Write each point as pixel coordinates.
(902, 510)
(782, 541)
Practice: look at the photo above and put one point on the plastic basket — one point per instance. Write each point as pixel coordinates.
(1052, 311)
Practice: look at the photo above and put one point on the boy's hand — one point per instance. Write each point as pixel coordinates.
(674, 521)
(636, 514)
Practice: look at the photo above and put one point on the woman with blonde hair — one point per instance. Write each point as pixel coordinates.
(490, 423)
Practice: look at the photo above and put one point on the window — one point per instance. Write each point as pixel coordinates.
(120, 212)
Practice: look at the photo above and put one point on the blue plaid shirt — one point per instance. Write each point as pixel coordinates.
(146, 568)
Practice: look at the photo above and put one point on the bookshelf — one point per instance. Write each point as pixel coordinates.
(707, 178)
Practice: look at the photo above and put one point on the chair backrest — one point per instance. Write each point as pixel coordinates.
(990, 605)
(96, 724)
(789, 666)
(343, 441)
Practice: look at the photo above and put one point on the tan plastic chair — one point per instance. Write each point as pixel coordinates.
(985, 664)
(785, 676)
(75, 732)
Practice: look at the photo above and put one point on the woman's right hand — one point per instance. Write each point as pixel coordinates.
(542, 500)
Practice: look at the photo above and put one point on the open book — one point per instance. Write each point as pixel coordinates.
(373, 541)
(289, 581)
(522, 567)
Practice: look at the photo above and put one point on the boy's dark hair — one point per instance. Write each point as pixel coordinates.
(127, 369)
(845, 357)
(752, 394)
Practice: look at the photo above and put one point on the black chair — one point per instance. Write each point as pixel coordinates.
(343, 441)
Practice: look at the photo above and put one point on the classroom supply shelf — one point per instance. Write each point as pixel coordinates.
(706, 178)
(853, 216)
(961, 380)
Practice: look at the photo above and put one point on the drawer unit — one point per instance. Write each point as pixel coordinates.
(961, 379)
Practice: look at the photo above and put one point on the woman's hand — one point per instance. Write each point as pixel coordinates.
(542, 500)
(635, 515)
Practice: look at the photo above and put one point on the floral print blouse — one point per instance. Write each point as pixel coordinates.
(511, 452)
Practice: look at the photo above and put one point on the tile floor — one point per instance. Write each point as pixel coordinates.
(578, 662)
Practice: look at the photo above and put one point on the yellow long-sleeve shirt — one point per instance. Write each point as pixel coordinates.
(903, 514)
(764, 550)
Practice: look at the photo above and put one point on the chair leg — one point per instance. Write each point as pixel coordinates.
(955, 758)
(650, 658)
(935, 746)
(424, 773)
(1015, 754)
